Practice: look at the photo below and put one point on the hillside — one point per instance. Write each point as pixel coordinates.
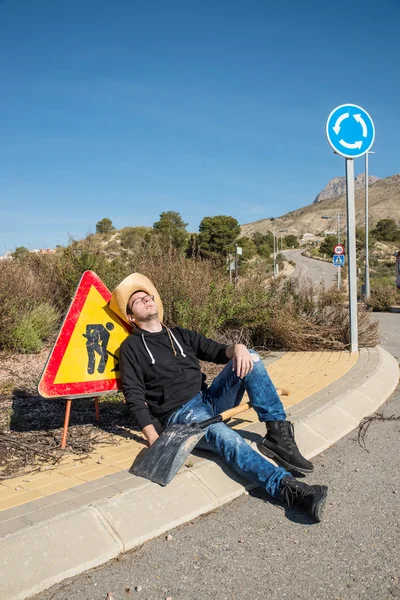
(337, 186)
(384, 202)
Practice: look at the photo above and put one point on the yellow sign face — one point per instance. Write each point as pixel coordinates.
(92, 353)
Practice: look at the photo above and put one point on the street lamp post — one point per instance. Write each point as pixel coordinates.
(339, 275)
(367, 290)
(282, 231)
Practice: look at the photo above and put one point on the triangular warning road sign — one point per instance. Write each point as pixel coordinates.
(84, 360)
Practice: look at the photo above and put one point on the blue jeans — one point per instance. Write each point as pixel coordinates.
(225, 392)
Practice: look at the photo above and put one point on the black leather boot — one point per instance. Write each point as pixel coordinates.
(310, 497)
(279, 444)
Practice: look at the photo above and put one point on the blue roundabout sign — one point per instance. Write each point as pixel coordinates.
(350, 130)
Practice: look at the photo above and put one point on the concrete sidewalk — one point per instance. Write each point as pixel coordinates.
(66, 520)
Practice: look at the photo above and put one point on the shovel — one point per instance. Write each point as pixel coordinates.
(165, 457)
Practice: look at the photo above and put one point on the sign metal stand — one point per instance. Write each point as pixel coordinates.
(351, 132)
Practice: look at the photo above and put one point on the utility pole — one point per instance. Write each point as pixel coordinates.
(282, 231)
(339, 273)
(236, 264)
(274, 252)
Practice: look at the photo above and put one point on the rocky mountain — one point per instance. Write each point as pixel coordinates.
(337, 186)
(384, 203)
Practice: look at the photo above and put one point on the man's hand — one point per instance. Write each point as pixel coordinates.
(241, 359)
(151, 434)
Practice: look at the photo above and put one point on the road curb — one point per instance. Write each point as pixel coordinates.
(38, 556)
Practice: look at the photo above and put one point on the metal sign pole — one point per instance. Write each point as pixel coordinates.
(274, 253)
(351, 253)
(366, 277)
(339, 281)
(236, 264)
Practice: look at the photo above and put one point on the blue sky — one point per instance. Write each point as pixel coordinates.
(126, 109)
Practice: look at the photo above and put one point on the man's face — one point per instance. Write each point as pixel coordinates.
(142, 307)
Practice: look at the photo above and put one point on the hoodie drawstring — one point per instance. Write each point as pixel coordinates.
(148, 351)
(172, 339)
(177, 343)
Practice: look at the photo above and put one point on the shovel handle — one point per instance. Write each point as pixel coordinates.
(231, 412)
(225, 415)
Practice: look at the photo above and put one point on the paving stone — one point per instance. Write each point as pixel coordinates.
(124, 464)
(56, 498)
(12, 526)
(49, 512)
(94, 495)
(119, 476)
(221, 481)
(332, 423)
(357, 404)
(132, 483)
(52, 551)
(140, 515)
(309, 441)
(88, 472)
(17, 511)
(57, 486)
(18, 498)
(44, 481)
(89, 486)
(90, 475)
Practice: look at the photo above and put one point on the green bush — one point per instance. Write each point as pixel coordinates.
(33, 329)
(133, 238)
(384, 294)
(196, 294)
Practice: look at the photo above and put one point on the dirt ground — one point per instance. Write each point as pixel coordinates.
(31, 427)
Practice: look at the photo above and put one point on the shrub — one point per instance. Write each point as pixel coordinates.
(384, 294)
(34, 328)
(281, 313)
(133, 238)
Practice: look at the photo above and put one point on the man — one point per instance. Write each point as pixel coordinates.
(163, 384)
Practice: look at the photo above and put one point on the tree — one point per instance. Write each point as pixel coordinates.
(193, 246)
(386, 230)
(172, 228)
(265, 251)
(133, 238)
(20, 253)
(328, 245)
(291, 241)
(249, 249)
(217, 234)
(105, 226)
(263, 239)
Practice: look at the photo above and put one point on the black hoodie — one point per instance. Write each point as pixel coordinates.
(160, 371)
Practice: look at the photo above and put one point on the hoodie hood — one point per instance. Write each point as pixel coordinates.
(146, 337)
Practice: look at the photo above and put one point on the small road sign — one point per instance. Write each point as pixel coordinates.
(84, 360)
(338, 249)
(350, 130)
(338, 260)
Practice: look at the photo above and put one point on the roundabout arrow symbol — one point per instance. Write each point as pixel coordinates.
(351, 146)
(342, 117)
(360, 120)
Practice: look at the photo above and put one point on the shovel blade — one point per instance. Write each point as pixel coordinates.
(165, 457)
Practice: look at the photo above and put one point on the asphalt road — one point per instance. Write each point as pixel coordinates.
(315, 270)
(255, 549)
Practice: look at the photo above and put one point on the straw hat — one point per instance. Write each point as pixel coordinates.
(131, 284)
